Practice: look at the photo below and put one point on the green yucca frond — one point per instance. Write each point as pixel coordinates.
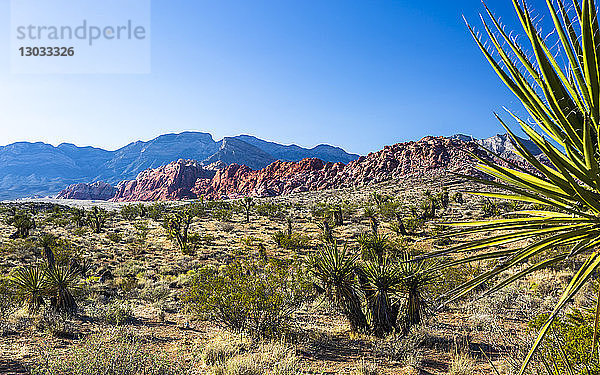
(333, 269)
(564, 102)
(30, 285)
(62, 281)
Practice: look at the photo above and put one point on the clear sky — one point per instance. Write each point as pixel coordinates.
(357, 74)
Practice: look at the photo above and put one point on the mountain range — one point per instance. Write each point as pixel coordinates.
(40, 169)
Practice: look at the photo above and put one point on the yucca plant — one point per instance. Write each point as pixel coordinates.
(334, 272)
(62, 281)
(97, 218)
(416, 276)
(380, 281)
(564, 102)
(30, 285)
(373, 246)
(47, 242)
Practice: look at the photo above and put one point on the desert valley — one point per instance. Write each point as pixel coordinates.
(185, 255)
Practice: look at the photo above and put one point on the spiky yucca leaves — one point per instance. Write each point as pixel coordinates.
(30, 285)
(62, 281)
(565, 104)
(380, 281)
(333, 269)
(373, 246)
(417, 275)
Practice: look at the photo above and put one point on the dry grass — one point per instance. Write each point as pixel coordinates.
(143, 295)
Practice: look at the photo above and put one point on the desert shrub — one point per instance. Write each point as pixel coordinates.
(130, 212)
(250, 241)
(115, 237)
(155, 291)
(414, 224)
(156, 211)
(206, 239)
(272, 358)
(113, 352)
(246, 297)
(270, 210)
(221, 349)
(55, 323)
(224, 214)
(408, 348)
(117, 313)
(80, 231)
(333, 213)
(390, 210)
(491, 208)
(366, 368)
(567, 349)
(462, 364)
(225, 227)
(458, 197)
(7, 305)
(291, 241)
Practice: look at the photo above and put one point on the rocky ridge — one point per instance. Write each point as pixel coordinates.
(98, 190)
(188, 180)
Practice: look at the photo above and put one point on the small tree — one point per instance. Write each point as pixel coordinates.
(23, 222)
(96, 219)
(247, 203)
(78, 217)
(178, 224)
(47, 242)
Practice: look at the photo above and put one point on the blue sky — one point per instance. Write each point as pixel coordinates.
(357, 74)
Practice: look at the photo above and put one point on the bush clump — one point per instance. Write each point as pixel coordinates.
(254, 298)
(115, 352)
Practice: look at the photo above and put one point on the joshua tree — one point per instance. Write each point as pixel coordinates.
(371, 214)
(97, 218)
(336, 213)
(78, 217)
(23, 222)
(326, 231)
(48, 241)
(247, 204)
(178, 224)
(289, 221)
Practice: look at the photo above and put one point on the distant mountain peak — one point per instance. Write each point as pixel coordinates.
(28, 169)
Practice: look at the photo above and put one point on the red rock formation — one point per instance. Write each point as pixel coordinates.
(97, 191)
(170, 182)
(186, 179)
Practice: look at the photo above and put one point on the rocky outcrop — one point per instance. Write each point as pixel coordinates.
(40, 169)
(185, 179)
(98, 191)
(501, 144)
(173, 181)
